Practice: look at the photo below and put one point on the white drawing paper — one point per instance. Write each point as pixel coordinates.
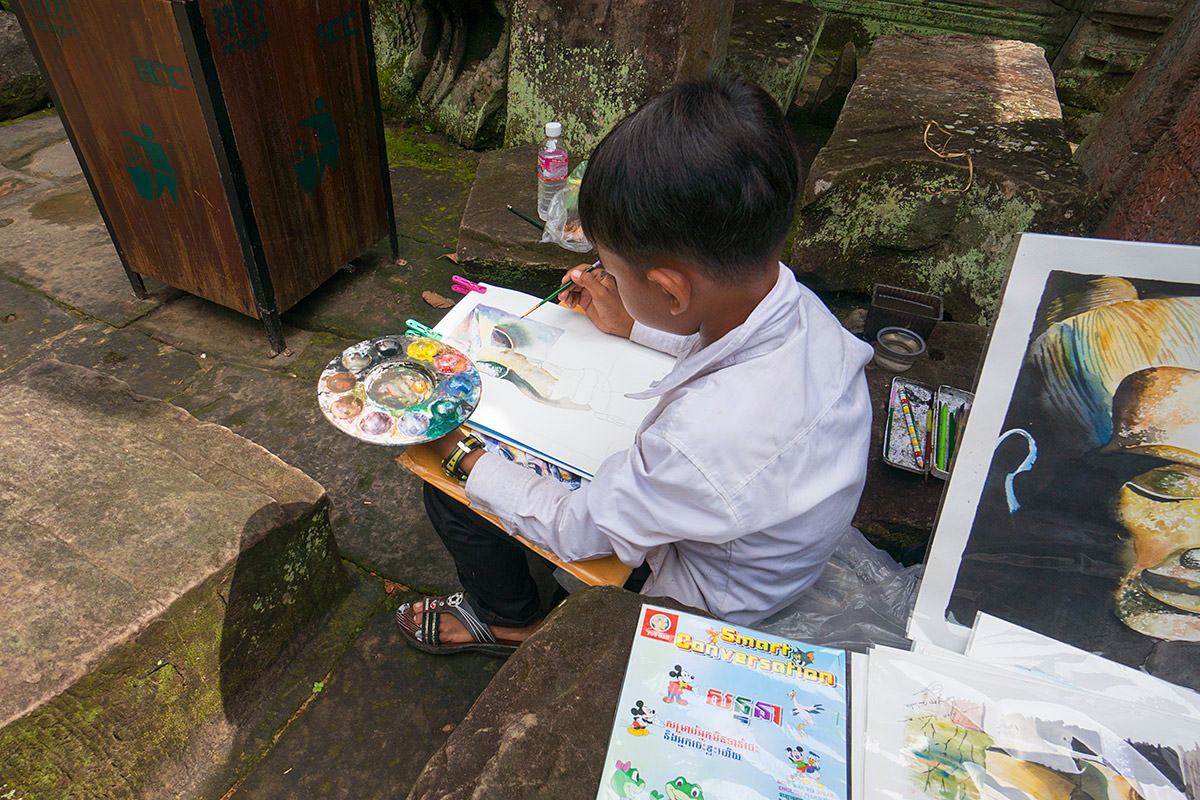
(996, 641)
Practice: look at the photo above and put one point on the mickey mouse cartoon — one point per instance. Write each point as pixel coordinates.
(642, 717)
(681, 681)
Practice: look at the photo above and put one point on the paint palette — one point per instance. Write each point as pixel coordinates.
(399, 390)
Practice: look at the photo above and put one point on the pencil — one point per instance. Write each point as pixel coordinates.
(912, 427)
(527, 218)
(929, 431)
(943, 457)
(556, 292)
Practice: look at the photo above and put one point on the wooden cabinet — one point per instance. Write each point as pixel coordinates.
(235, 147)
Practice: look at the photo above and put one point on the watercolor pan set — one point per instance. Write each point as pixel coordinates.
(399, 390)
(924, 426)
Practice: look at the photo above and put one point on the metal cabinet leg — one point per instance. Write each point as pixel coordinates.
(274, 326)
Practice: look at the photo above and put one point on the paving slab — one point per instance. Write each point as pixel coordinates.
(377, 720)
(377, 513)
(57, 243)
(21, 138)
(148, 366)
(381, 294)
(154, 567)
(27, 319)
(207, 329)
(55, 161)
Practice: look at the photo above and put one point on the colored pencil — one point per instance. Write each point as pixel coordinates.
(941, 458)
(912, 427)
(540, 226)
(556, 292)
(929, 431)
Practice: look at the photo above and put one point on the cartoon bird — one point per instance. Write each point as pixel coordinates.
(642, 717)
(804, 715)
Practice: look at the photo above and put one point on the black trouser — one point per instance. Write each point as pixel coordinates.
(492, 566)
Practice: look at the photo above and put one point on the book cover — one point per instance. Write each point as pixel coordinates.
(710, 710)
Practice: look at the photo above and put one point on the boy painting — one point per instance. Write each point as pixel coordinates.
(749, 469)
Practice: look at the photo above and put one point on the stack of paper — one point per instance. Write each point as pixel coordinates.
(1020, 717)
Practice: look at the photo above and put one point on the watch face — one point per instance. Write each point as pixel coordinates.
(399, 390)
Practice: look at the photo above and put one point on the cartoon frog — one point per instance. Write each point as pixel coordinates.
(680, 789)
(627, 782)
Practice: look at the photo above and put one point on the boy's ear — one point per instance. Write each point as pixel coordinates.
(676, 284)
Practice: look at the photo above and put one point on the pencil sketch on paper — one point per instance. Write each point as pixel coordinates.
(1090, 516)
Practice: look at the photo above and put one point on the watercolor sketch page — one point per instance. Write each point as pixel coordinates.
(721, 712)
(1074, 505)
(552, 383)
(945, 727)
(1007, 645)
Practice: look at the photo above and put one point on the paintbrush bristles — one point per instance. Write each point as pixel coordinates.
(530, 311)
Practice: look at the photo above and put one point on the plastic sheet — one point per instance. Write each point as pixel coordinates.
(562, 221)
(863, 597)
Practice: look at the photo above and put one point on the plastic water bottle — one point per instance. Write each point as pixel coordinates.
(552, 168)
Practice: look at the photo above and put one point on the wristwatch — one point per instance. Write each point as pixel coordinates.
(452, 463)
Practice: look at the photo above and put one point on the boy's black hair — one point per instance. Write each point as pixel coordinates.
(707, 170)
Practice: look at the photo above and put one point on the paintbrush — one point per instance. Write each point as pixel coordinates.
(526, 217)
(556, 292)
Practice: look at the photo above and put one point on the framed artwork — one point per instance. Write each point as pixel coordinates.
(1074, 506)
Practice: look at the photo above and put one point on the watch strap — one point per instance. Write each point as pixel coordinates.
(452, 464)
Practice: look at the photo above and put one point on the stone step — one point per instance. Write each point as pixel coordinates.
(153, 569)
(947, 147)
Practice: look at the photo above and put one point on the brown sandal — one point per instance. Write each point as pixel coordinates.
(426, 636)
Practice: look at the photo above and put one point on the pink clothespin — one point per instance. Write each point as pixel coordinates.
(463, 285)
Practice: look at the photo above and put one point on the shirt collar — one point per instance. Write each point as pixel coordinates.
(771, 322)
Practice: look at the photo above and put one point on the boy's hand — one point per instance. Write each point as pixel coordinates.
(596, 294)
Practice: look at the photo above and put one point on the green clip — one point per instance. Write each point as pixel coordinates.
(417, 329)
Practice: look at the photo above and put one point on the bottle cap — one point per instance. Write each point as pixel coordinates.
(553, 130)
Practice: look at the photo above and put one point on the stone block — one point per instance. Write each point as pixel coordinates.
(541, 728)
(1158, 102)
(589, 65)
(154, 569)
(771, 43)
(1042, 22)
(22, 87)
(444, 61)
(492, 234)
(885, 203)
(1162, 205)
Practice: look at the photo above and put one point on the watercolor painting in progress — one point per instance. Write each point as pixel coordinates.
(553, 383)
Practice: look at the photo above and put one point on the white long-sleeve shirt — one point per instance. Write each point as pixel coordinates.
(742, 478)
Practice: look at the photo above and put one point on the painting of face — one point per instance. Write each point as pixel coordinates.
(1088, 527)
